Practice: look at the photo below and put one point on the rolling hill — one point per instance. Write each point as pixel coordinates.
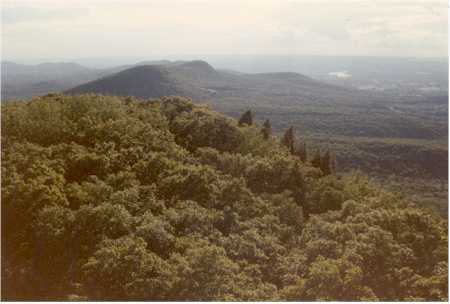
(152, 80)
(201, 82)
(24, 81)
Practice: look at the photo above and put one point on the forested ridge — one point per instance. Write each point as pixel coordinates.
(114, 198)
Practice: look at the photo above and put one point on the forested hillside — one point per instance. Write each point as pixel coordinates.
(113, 198)
(380, 133)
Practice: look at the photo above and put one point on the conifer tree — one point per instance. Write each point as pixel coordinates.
(325, 162)
(316, 160)
(301, 152)
(297, 184)
(246, 118)
(305, 152)
(288, 139)
(333, 163)
(266, 130)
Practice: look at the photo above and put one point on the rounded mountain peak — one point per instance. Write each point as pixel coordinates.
(199, 65)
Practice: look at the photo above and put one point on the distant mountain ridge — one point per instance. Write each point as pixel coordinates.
(141, 81)
(23, 81)
(152, 80)
(200, 81)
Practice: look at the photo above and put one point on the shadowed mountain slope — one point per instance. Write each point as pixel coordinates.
(200, 81)
(22, 81)
(141, 81)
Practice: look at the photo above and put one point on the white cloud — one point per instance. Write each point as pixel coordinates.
(58, 29)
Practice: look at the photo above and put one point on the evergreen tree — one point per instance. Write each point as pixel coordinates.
(333, 163)
(266, 130)
(288, 139)
(316, 160)
(301, 152)
(297, 184)
(327, 163)
(246, 118)
(305, 152)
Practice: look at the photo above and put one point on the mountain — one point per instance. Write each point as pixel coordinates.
(153, 80)
(200, 81)
(142, 81)
(23, 81)
(195, 79)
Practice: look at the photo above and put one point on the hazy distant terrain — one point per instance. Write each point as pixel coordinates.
(203, 83)
(399, 76)
(21, 81)
(24, 81)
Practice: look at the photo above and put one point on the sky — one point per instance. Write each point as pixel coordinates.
(55, 30)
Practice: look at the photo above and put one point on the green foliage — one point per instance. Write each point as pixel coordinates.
(266, 130)
(123, 268)
(107, 198)
(204, 273)
(288, 140)
(369, 239)
(301, 152)
(246, 119)
(316, 160)
(326, 163)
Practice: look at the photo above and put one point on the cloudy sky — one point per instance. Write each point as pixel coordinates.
(80, 29)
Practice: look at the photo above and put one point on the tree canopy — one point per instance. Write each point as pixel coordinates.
(108, 198)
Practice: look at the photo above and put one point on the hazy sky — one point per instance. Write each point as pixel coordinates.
(73, 29)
